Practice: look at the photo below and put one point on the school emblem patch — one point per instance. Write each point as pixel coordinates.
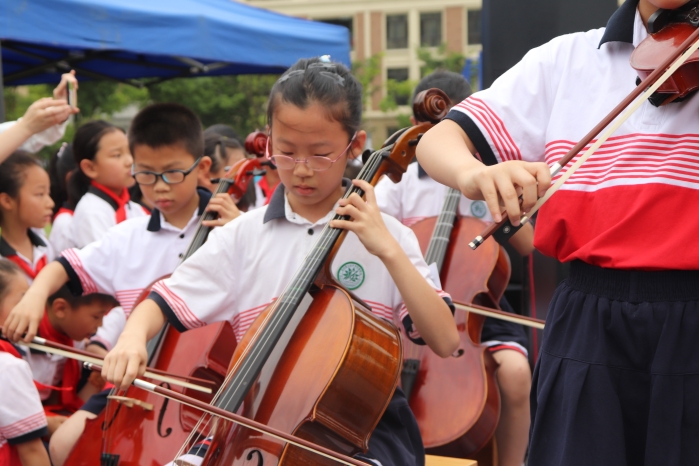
(350, 275)
(478, 209)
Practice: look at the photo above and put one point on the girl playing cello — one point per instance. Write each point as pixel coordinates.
(615, 383)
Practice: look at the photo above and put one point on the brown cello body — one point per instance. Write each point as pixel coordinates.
(456, 400)
(329, 380)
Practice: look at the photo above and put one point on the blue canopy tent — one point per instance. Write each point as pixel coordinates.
(129, 40)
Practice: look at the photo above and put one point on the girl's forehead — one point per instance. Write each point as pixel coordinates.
(311, 121)
(35, 175)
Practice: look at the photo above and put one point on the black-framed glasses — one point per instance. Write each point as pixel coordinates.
(148, 178)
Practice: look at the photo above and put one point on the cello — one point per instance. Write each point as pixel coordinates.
(456, 400)
(138, 427)
(317, 362)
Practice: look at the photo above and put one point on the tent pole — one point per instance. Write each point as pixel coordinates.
(2, 90)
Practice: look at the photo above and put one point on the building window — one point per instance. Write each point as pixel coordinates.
(474, 27)
(430, 29)
(345, 22)
(396, 31)
(399, 92)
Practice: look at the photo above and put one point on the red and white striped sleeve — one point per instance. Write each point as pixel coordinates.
(508, 120)
(21, 413)
(203, 289)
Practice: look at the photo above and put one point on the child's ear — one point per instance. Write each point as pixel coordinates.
(7, 202)
(204, 172)
(60, 308)
(204, 166)
(357, 145)
(88, 168)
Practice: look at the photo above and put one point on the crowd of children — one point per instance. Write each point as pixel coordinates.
(614, 381)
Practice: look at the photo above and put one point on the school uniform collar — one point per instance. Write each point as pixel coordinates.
(154, 224)
(6, 250)
(620, 27)
(278, 205)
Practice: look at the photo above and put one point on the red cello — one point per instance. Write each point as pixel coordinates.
(138, 427)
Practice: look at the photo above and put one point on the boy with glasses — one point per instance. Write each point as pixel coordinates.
(166, 141)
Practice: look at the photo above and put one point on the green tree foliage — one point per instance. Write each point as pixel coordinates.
(442, 60)
(367, 73)
(239, 101)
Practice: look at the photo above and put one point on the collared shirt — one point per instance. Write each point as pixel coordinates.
(131, 256)
(626, 207)
(418, 197)
(61, 236)
(95, 214)
(42, 253)
(22, 416)
(246, 264)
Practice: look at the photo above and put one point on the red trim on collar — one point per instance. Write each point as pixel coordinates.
(120, 200)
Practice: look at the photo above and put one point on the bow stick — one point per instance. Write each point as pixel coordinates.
(240, 420)
(41, 344)
(651, 84)
(502, 315)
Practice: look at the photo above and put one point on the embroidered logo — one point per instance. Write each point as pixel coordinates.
(350, 275)
(478, 209)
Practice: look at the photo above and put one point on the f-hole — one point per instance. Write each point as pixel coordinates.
(259, 457)
(458, 353)
(161, 414)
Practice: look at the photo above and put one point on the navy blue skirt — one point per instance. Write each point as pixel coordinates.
(617, 382)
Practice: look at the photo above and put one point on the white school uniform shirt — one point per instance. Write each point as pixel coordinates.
(61, 236)
(626, 207)
(418, 197)
(128, 259)
(246, 264)
(95, 214)
(38, 141)
(47, 369)
(22, 416)
(42, 253)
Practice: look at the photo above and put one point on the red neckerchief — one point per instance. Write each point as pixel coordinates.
(266, 190)
(70, 400)
(7, 347)
(62, 210)
(121, 200)
(31, 273)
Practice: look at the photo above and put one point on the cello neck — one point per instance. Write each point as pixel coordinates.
(291, 299)
(203, 231)
(439, 243)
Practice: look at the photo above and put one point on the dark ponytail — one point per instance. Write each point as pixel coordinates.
(86, 144)
(218, 157)
(8, 271)
(327, 83)
(60, 166)
(12, 172)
